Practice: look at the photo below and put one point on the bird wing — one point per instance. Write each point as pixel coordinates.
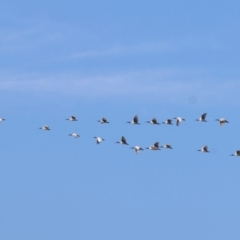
(124, 141)
(135, 119)
(204, 116)
(104, 120)
(205, 148)
(154, 120)
(156, 144)
(178, 121)
(238, 152)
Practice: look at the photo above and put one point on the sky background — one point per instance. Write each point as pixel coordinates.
(116, 59)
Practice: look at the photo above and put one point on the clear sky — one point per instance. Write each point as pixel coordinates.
(116, 59)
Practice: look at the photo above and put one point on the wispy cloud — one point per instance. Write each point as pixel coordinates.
(169, 85)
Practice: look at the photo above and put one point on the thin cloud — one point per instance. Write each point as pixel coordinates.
(173, 86)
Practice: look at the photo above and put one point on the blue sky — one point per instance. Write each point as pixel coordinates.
(116, 59)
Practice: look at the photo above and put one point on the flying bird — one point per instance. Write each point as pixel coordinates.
(2, 119)
(99, 139)
(103, 120)
(202, 118)
(203, 149)
(155, 146)
(123, 141)
(137, 149)
(153, 121)
(45, 128)
(237, 153)
(75, 135)
(168, 121)
(222, 121)
(166, 146)
(72, 118)
(179, 120)
(135, 120)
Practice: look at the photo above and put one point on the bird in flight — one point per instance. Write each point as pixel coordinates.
(135, 120)
(137, 149)
(203, 149)
(99, 140)
(153, 121)
(202, 118)
(168, 121)
(179, 120)
(222, 121)
(155, 146)
(166, 146)
(123, 141)
(237, 153)
(72, 118)
(103, 120)
(75, 135)
(45, 127)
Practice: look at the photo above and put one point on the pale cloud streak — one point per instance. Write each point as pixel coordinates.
(172, 86)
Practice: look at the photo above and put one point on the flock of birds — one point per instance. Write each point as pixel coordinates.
(154, 121)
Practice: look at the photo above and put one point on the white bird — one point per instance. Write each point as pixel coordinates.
(137, 149)
(103, 120)
(123, 141)
(153, 121)
(168, 121)
(2, 119)
(179, 120)
(99, 139)
(135, 120)
(237, 153)
(72, 118)
(203, 149)
(155, 146)
(222, 121)
(202, 118)
(166, 146)
(45, 128)
(75, 135)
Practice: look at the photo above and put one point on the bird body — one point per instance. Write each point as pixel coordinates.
(2, 119)
(137, 149)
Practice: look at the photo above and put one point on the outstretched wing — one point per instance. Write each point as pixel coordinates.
(124, 141)
(135, 119)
